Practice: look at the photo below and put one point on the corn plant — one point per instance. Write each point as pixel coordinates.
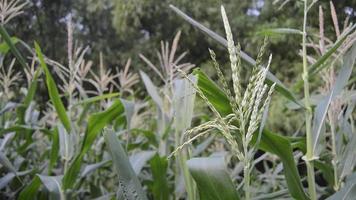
(314, 124)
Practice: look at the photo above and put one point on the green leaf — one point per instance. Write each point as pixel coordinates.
(268, 142)
(319, 64)
(281, 147)
(30, 191)
(130, 187)
(96, 98)
(4, 47)
(53, 185)
(280, 87)
(152, 90)
(323, 106)
(212, 178)
(275, 31)
(53, 91)
(21, 110)
(183, 103)
(54, 150)
(5, 35)
(92, 167)
(96, 123)
(215, 95)
(159, 166)
(139, 160)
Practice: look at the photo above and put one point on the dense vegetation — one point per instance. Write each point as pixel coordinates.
(239, 123)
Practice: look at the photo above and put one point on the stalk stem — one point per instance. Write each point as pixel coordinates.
(247, 178)
(334, 160)
(308, 113)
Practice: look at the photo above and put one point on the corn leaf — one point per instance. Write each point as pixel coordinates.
(275, 31)
(11, 43)
(271, 79)
(31, 190)
(322, 108)
(54, 150)
(130, 187)
(138, 160)
(319, 64)
(53, 91)
(96, 123)
(21, 110)
(96, 98)
(4, 47)
(159, 166)
(212, 178)
(53, 185)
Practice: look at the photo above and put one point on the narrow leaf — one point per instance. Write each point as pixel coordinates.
(280, 87)
(341, 81)
(53, 91)
(275, 31)
(5, 35)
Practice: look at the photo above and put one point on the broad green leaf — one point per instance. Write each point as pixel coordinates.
(53, 91)
(275, 31)
(130, 187)
(30, 191)
(280, 87)
(96, 123)
(212, 179)
(215, 95)
(53, 185)
(281, 147)
(159, 166)
(268, 142)
(5, 35)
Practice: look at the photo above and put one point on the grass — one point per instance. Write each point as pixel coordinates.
(104, 142)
